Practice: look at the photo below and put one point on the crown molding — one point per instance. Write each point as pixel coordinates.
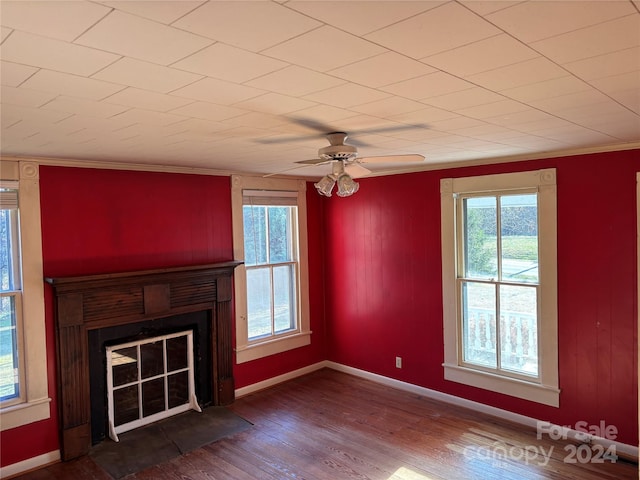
(145, 167)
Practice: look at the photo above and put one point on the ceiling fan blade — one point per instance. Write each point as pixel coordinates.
(412, 157)
(355, 170)
(314, 161)
(287, 170)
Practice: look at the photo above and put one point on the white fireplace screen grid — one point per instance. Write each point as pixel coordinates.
(148, 380)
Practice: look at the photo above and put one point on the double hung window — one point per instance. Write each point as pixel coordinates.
(499, 283)
(272, 307)
(11, 352)
(23, 356)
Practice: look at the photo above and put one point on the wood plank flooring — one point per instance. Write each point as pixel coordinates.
(330, 426)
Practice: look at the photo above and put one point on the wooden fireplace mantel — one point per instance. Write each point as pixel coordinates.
(85, 303)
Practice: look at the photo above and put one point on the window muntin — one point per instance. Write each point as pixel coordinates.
(498, 282)
(11, 352)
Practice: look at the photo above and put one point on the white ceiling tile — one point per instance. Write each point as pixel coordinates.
(13, 74)
(63, 20)
(488, 132)
(483, 55)
(388, 107)
(488, 6)
(274, 103)
(148, 117)
(430, 32)
(215, 61)
(547, 89)
(426, 115)
(166, 11)
(616, 83)
(143, 39)
(464, 99)
(257, 120)
(135, 97)
(622, 61)
(38, 51)
(431, 85)
(30, 115)
(217, 91)
(383, 69)
(523, 73)
(488, 110)
(71, 85)
(147, 76)
(295, 81)
(512, 120)
(325, 113)
(324, 49)
(559, 17)
(455, 124)
(4, 33)
(264, 24)
(347, 95)
(79, 122)
(588, 42)
(629, 98)
(24, 97)
(193, 127)
(81, 106)
(208, 111)
(560, 103)
(361, 18)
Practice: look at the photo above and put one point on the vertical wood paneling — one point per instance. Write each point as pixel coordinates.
(596, 275)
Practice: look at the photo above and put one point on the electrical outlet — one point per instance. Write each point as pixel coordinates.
(398, 362)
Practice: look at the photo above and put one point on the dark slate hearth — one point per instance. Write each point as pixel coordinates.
(156, 443)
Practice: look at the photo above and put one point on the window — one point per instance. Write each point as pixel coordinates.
(23, 365)
(272, 310)
(11, 297)
(499, 283)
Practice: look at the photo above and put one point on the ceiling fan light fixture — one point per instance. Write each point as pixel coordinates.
(347, 186)
(325, 185)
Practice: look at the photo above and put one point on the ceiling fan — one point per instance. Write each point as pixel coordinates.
(346, 165)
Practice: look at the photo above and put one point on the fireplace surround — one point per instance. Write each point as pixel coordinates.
(87, 303)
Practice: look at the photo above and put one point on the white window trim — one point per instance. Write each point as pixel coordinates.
(301, 336)
(547, 391)
(36, 404)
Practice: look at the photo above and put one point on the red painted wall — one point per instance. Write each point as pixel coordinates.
(384, 293)
(101, 221)
(381, 292)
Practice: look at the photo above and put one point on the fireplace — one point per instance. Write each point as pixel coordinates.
(97, 312)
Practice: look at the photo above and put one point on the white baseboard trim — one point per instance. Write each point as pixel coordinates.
(254, 387)
(29, 464)
(624, 450)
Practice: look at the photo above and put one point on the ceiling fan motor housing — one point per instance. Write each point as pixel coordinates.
(338, 150)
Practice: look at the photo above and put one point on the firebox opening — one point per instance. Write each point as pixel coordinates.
(106, 338)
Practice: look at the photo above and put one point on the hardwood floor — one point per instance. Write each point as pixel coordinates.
(329, 426)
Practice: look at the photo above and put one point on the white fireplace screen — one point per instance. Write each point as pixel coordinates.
(148, 380)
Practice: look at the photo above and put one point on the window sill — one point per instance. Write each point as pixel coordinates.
(534, 392)
(272, 346)
(24, 413)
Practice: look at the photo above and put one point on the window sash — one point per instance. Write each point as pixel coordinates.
(493, 334)
(17, 360)
(292, 297)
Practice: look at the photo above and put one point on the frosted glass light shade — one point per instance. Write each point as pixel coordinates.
(325, 185)
(346, 186)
